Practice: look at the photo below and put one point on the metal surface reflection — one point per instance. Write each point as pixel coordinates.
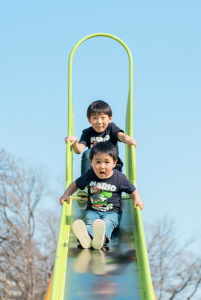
(110, 273)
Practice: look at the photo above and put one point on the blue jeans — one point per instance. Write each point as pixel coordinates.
(111, 219)
(85, 163)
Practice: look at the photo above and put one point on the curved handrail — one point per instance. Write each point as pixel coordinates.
(61, 252)
(70, 102)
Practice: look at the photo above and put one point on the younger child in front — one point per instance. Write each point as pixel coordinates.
(105, 185)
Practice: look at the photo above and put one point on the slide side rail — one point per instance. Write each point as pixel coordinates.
(58, 283)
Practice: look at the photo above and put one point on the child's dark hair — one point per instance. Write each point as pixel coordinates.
(98, 107)
(104, 147)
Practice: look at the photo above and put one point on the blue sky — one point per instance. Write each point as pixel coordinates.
(164, 39)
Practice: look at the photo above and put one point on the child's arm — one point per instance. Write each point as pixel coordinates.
(126, 139)
(137, 200)
(77, 147)
(70, 190)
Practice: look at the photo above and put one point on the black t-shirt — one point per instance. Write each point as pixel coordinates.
(90, 137)
(105, 194)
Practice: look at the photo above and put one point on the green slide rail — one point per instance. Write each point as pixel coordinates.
(146, 288)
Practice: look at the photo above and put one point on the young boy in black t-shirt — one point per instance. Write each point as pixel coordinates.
(99, 115)
(104, 185)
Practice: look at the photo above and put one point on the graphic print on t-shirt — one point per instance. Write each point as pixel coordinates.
(98, 199)
(104, 194)
(96, 139)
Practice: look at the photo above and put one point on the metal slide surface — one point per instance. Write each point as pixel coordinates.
(110, 273)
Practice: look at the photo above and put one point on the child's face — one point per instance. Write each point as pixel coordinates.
(103, 164)
(100, 121)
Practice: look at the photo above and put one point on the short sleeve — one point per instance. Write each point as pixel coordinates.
(114, 130)
(127, 186)
(84, 136)
(83, 180)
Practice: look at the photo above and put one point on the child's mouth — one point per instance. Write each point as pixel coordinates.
(102, 173)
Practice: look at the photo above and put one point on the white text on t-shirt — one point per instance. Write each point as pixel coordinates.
(104, 186)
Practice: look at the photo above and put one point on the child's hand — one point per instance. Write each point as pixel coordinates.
(66, 198)
(124, 138)
(70, 190)
(72, 139)
(137, 199)
(132, 142)
(138, 202)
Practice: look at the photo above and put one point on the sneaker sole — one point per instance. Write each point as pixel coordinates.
(80, 231)
(98, 234)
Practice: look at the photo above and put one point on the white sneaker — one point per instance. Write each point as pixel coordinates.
(98, 234)
(80, 231)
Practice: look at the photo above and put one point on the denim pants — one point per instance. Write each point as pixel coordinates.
(111, 219)
(85, 163)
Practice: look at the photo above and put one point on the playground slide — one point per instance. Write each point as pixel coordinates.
(120, 271)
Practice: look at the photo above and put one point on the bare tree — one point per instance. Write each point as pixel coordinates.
(176, 273)
(24, 267)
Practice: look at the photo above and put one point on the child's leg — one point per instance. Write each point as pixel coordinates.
(85, 163)
(112, 221)
(89, 217)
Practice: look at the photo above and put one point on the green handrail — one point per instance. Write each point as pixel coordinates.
(64, 229)
(146, 287)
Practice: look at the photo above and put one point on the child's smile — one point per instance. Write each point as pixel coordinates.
(100, 121)
(103, 165)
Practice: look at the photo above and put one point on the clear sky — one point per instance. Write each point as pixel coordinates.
(164, 37)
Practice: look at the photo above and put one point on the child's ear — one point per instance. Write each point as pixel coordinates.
(115, 162)
(89, 121)
(110, 119)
